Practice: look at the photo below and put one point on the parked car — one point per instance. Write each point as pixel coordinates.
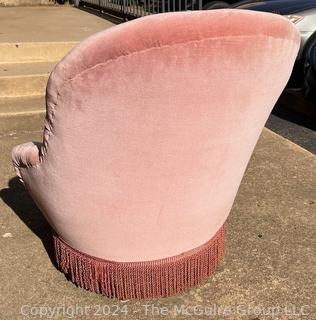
(303, 14)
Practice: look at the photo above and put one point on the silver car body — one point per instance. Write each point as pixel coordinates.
(306, 26)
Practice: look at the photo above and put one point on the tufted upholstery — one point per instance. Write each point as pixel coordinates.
(148, 131)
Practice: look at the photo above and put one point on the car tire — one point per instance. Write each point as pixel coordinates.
(61, 1)
(215, 5)
(309, 56)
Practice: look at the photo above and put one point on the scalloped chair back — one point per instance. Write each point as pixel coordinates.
(148, 131)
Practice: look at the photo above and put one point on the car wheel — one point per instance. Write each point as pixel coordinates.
(215, 5)
(61, 1)
(309, 57)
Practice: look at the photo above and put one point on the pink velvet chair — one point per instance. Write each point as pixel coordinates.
(148, 131)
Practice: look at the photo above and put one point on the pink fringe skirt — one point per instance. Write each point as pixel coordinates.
(143, 279)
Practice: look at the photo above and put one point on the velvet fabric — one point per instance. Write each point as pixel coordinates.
(141, 279)
(150, 126)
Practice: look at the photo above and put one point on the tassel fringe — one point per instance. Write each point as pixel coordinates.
(141, 280)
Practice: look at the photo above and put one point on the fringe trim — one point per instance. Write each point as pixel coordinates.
(141, 280)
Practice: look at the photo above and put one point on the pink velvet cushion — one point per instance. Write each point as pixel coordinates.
(150, 126)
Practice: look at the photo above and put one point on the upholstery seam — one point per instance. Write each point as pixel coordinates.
(169, 46)
(45, 144)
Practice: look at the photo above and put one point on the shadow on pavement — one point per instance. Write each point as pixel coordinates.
(294, 118)
(104, 15)
(17, 198)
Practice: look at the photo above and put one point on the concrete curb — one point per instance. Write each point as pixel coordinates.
(20, 3)
(34, 51)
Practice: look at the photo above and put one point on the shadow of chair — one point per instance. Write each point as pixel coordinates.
(17, 198)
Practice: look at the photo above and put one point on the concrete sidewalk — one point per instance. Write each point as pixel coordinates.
(270, 260)
(47, 24)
